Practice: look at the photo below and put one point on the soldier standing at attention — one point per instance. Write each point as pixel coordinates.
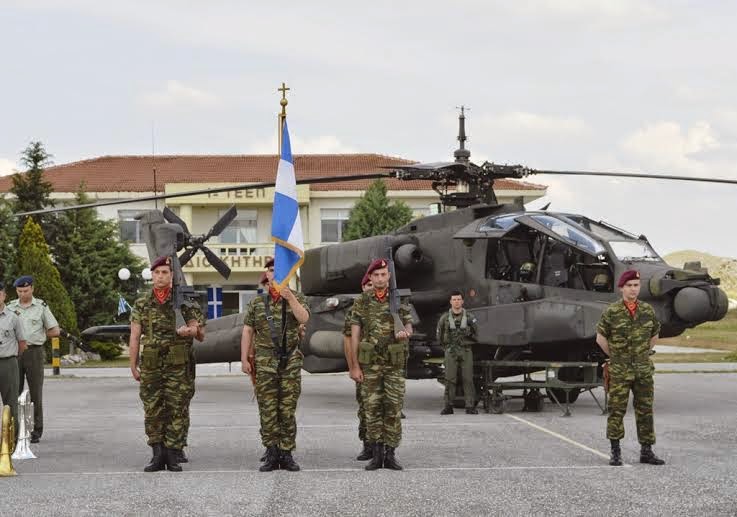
(38, 324)
(627, 332)
(455, 332)
(378, 365)
(367, 451)
(164, 370)
(278, 384)
(12, 344)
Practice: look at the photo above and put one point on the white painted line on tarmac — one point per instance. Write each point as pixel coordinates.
(558, 435)
(355, 469)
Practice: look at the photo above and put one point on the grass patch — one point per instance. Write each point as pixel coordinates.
(712, 357)
(720, 335)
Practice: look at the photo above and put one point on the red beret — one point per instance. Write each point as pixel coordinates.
(263, 278)
(161, 261)
(630, 274)
(376, 264)
(365, 280)
(269, 263)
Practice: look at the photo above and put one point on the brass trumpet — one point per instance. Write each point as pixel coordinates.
(7, 444)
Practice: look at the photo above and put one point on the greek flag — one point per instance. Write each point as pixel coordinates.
(286, 227)
(123, 306)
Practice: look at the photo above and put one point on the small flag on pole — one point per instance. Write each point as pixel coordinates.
(286, 226)
(123, 306)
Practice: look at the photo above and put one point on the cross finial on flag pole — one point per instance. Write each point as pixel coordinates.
(283, 115)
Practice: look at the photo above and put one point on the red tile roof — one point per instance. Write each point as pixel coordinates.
(134, 173)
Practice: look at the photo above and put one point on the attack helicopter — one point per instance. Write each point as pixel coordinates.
(537, 281)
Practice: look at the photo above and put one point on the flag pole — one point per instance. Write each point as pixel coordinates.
(283, 115)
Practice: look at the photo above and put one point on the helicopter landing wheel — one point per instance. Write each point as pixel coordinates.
(497, 403)
(533, 401)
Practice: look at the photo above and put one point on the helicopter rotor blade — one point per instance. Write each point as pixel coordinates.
(222, 223)
(216, 262)
(635, 175)
(187, 256)
(170, 216)
(244, 186)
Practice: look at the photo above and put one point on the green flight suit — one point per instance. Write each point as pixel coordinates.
(277, 388)
(456, 336)
(630, 367)
(166, 381)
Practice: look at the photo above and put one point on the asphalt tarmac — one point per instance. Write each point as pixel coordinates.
(93, 449)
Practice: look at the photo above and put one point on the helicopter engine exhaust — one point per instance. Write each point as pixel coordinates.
(408, 256)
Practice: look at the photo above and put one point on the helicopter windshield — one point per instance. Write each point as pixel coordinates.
(634, 250)
(569, 233)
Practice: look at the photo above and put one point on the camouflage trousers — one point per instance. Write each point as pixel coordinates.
(361, 414)
(192, 373)
(463, 359)
(165, 392)
(382, 391)
(639, 380)
(277, 392)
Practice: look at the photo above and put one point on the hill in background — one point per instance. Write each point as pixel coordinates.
(719, 267)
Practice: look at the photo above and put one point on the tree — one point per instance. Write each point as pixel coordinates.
(33, 259)
(32, 191)
(92, 254)
(8, 241)
(373, 215)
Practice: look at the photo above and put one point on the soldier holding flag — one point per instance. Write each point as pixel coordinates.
(271, 326)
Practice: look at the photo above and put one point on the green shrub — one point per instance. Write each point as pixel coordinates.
(108, 350)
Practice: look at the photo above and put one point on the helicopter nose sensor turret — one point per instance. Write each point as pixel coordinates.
(696, 305)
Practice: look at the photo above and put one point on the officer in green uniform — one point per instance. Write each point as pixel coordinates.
(379, 356)
(12, 344)
(456, 331)
(278, 382)
(38, 324)
(367, 451)
(163, 368)
(627, 332)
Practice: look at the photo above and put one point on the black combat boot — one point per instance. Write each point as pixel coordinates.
(615, 460)
(264, 455)
(172, 459)
(180, 456)
(648, 456)
(472, 411)
(271, 462)
(286, 461)
(367, 453)
(447, 410)
(158, 462)
(377, 461)
(390, 460)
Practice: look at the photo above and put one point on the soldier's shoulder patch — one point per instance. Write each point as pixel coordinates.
(17, 313)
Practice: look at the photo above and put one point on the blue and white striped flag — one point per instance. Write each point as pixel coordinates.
(123, 306)
(286, 226)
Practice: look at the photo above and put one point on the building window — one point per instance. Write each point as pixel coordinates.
(420, 211)
(130, 228)
(333, 222)
(242, 230)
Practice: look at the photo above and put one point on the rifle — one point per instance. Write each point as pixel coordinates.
(182, 295)
(393, 293)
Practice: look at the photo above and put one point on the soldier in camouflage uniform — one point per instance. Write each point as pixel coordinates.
(627, 332)
(163, 368)
(456, 331)
(278, 385)
(378, 364)
(367, 451)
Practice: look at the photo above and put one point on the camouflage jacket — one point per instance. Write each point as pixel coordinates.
(347, 324)
(158, 323)
(256, 318)
(375, 320)
(456, 339)
(628, 337)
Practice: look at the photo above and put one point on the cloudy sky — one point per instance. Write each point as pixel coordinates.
(629, 86)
